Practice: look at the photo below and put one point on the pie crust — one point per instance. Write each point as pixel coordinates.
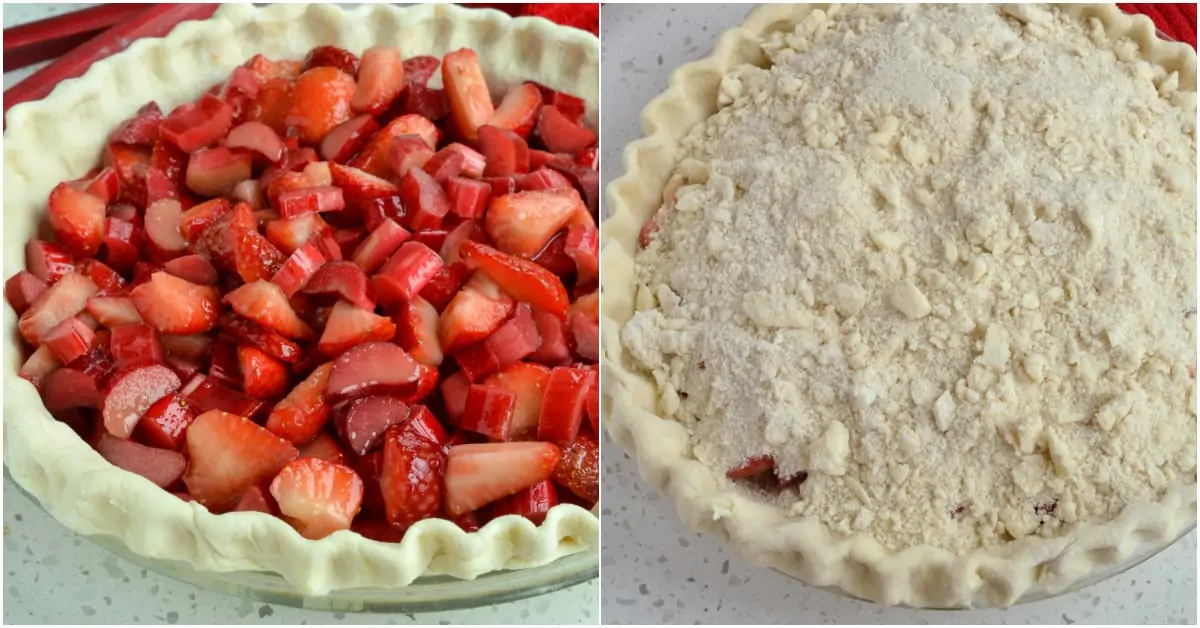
(60, 137)
(922, 575)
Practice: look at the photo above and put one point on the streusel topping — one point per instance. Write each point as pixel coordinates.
(941, 259)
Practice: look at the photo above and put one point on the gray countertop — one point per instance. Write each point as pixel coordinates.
(666, 573)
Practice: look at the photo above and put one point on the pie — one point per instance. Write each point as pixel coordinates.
(901, 299)
(346, 294)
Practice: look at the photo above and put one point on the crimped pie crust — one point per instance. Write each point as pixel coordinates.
(921, 575)
(60, 137)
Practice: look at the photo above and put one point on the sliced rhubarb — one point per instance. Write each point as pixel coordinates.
(22, 289)
(164, 423)
(135, 345)
(131, 393)
(560, 134)
(489, 411)
(70, 388)
(257, 137)
(528, 383)
(209, 394)
(48, 261)
(380, 80)
(299, 268)
(162, 228)
(533, 503)
(563, 404)
(371, 254)
(344, 140)
(444, 164)
(77, 219)
(161, 466)
(371, 368)
(408, 271)
(62, 301)
(311, 199)
(466, 91)
(366, 419)
(198, 126)
(343, 279)
(506, 153)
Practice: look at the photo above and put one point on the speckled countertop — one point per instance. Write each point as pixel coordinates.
(655, 570)
(52, 576)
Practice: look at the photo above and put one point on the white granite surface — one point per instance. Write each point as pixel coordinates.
(52, 576)
(654, 569)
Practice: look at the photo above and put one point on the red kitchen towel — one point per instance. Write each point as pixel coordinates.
(1176, 20)
(584, 16)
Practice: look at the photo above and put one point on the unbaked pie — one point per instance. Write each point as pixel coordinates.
(901, 299)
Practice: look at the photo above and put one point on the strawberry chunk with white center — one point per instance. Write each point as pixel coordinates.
(410, 479)
(371, 368)
(466, 91)
(40, 364)
(349, 325)
(161, 466)
(479, 474)
(257, 137)
(62, 301)
(528, 382)
(22, 289)
(489, 411)
(562, 405)
(342, 279)
(266, 304)
(408, 271)
(518, 110)
(504, 151)
(77, 219)
(364, 421)
(379, 246)
(474, 313)
(228, 454)
(194, 269)
(560, 134)
(176, 306)
(317, 497)
(522, 223)
(216, 171)
(303, 412)
(263, 377)
(374, 157)
(533, 503)
(341, 143)
(309, 200)
(289, 234)
(320, 102)
(380, 80)
(48, 261)
(417, 331)
(522, 279)
(131, 393)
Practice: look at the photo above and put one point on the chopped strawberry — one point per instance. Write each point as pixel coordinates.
(374, 157)
(122, 243)
(588, 158)
(444, 164)
(445, 285)
(175, 306)
(263, 377)
(67, 388)
(593, 402)
(77, 219)
(518, 110)
(105, 185)
(427, 383)
(466, 91)
(380, 80)
(344, 140)
(135, 345)
(522, 223)
(105, 278)
(364, 421)
(522, 279)
(418, 70)
(257, 137)
(228, 454)
(324, 447)
(198, 126)
(98, 362)
(290, 234)
(206, 393)
(298, 269)
(489, 411)
(544, 179)
(320, 101)
(273, 103)
(196, 220)
(349, 325)
(165, 422)
(372, 368)
(528, 382)
(303, 412)
(562, 405)
(505, 152)
(585, 180)
(22, 289)
(160, 466)
(561, 134)
(416, 331)
(255, 258)
(216, 171)
(408, 271)
(69, 339)
(172, 162)
(249, 331)
(379, 246)
(195, 346)
(48, 261)
(40, 364)
(141, 129)
(62, 301)
(317, 497)
(255, 499)
(342, 279)
(473, 161)
(579, 469)
(533, 503)
(193, 268)
(310, 199)
(130, 393)
(479, 474)
(474, 313)
(333, 57)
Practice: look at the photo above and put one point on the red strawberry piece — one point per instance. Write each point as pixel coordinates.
(324, 447)
(40, 364)
(223, 366)
(585, 336)
(130, 393)
(168, 159)
(516, 338)
(105, 185)
(416, 331)
(69, 339)
(247, 330)
(572, 107)
(333, 57)
(216, 171)
(62, 301)
(77, 219)
(585, 180)
(317, 497)
(583, 246)
(141, 129)
(544, 179)
(377, 529)
(175, 306)
(522, 279)
(265, 69)
(163, 228)
(266, 304)
(479, 474)
(263, 377)
(290, 234)
(105, 278)
(423, 101)
(47, 261)
(445, 285)
(560, 134)
(473, 161)
(158, 185)
(468, 198)
(489, 411)
(474, 313)
(359, 186)
(593, 402)
(369, 468)
(97, 363)
(432, 238)
(342, 279)
(229, 454)
(255, 499)
(379, 246)
(298, 269)
(127, 161)
(320, 101)
(22, 289)
(273, 102)
(255, 258)
(540, 158)
(380, 80)
(303, 412)
(418, 70)
(477, 361)
(407, 152)
(193, 268)
(518, 110)
(122, 243)
(588, 158)
(195, 221)
(468, 522)
(348, 239)
(210, 394)
(522, 223)
(164, 423)
(366, 419)
(454, 393)
(528, 383)
(466, 92)
(427, 383)
(349, 326)
(344, 140)
(239, 91)
(163, 467)
(505, 152)
(198, 126)
(310, 199)
(562, 405)
(374, 157)
(67, 388)
(579, 469)
(410, 479)
(444, 164)
(408, 271)
(257, 137)
(533, 503)
(135, 345)
(371, 368)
